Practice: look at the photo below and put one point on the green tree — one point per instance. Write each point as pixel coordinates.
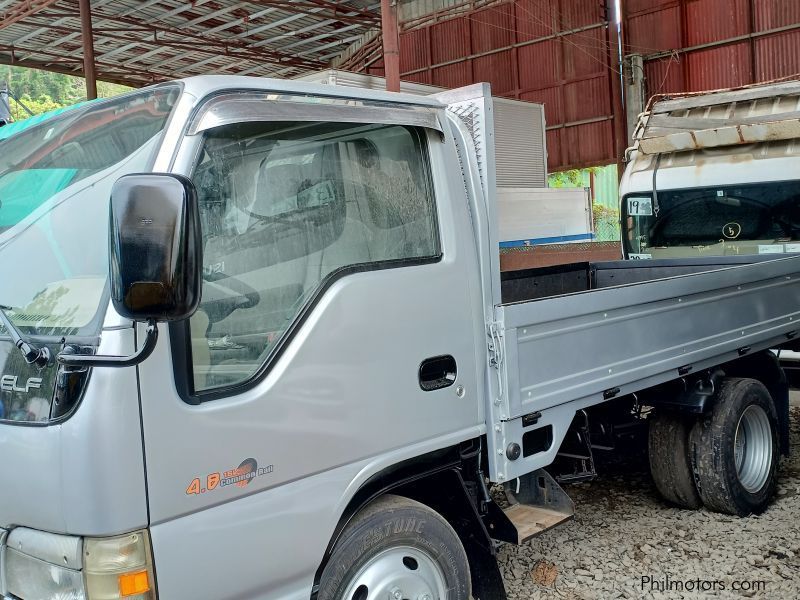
(42, 91)
(566, 179)
(42, 104)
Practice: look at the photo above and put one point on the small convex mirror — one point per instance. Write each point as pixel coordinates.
(155, 247)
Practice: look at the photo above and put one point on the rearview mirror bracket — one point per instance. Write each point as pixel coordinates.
(69, 358)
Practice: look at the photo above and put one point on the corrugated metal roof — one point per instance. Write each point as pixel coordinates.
(139, 42)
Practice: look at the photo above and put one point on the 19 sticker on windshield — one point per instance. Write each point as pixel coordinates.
(640, 207)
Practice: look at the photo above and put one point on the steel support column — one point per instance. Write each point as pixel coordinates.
(88, 49)
(615, 46)
(391, 44)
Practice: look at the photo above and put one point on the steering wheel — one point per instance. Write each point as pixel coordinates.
(223, 294)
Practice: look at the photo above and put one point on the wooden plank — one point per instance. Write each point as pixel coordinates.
(756, 93)
(530, 520)
(663, 124)
(720, 137)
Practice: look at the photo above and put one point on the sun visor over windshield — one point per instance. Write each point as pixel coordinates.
(258, 107)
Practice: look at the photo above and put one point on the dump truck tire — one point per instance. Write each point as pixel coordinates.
(670, 466)
(734, 449)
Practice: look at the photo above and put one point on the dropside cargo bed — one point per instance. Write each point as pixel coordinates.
(621, 327)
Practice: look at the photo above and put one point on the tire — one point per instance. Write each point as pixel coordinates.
(734, 449)
(670, 466)
(396, 548)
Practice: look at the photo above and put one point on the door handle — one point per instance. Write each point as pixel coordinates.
(437, 372)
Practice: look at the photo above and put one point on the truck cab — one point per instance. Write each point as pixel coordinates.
(712, 175)
(328, 223)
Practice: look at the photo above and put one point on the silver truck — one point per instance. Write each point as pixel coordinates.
(256, 344)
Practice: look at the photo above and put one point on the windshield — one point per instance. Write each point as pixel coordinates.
(55, 182)
(762, 218)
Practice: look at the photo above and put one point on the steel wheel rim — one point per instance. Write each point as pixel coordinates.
(752, 448)
(399, 573)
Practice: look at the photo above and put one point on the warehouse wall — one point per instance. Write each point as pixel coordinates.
(696, 45)
(555, 52)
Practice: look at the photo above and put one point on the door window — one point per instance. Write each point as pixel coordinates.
(287, 208)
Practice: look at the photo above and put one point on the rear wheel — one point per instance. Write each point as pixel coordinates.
(734, 449)
(397, 549)
(668, 449)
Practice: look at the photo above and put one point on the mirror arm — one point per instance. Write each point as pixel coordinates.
(69, 359)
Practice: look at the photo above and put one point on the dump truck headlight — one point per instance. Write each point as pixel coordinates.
(119, 567)
(28, 577)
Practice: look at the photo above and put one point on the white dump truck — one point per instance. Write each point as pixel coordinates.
(256, 344)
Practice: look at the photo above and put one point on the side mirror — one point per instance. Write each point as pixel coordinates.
(155, 258)
(155, 252)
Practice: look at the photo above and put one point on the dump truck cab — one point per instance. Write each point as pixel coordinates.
(712, 175)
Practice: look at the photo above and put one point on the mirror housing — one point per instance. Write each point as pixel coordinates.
(155, 247)
(156, 259)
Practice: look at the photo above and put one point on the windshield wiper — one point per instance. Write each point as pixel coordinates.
(33, 355)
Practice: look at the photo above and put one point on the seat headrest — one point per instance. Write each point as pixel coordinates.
(276, 189)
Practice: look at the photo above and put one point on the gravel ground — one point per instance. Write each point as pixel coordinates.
(623, 532)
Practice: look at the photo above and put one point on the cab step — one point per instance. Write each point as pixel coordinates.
(537, 503)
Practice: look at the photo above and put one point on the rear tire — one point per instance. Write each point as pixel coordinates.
(397, 548)
(668, 449)
(734, 449)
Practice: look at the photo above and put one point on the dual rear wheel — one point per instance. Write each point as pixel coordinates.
(727, 459)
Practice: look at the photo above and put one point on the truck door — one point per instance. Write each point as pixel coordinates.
(336, 336)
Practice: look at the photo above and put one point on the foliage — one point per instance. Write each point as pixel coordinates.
(42, 91)
(604, 213)
(566, 179)
(61, 89)
(571, 178)
(606, 223)
(43, 103)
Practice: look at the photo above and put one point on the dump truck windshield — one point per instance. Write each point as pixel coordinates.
(761, 218)
(55, 181)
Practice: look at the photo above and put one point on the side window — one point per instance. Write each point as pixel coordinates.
(286, 207)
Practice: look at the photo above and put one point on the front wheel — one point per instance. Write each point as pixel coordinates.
(397, 549)
(734, 450)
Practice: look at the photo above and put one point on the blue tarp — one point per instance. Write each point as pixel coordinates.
(6, 131)
(22, 192)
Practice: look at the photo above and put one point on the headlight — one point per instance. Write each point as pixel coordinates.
(119, 567)
(28, 577)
